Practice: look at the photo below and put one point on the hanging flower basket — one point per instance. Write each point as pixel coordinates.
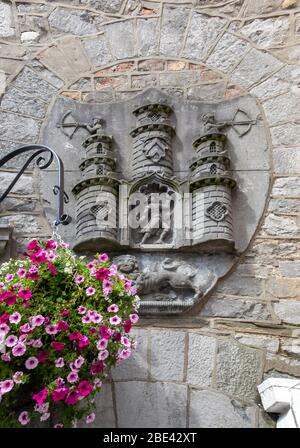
(64, 323)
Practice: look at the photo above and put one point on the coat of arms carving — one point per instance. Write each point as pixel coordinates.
(168, 187)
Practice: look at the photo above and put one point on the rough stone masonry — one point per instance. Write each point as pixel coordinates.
(200, 370)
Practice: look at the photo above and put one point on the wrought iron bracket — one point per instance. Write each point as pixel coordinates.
(42, 163)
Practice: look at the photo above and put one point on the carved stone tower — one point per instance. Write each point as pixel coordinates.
(211, 184)
(152, 150)
(97, 194)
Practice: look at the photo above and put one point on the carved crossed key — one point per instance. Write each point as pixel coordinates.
(241, 122)
(91, 127)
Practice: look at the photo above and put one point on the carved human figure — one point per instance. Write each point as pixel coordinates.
(95, 125)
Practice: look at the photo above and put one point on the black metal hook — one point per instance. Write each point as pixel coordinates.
(41, 163)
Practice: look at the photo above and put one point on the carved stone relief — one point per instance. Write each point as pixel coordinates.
(167, 187)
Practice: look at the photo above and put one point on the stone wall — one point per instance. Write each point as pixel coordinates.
(200, 370)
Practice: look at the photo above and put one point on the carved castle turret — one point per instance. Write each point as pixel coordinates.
(97, 193)
(211, 184)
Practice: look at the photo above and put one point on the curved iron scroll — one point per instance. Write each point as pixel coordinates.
(41, 163)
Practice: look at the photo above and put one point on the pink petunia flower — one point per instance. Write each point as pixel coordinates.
(105, 332)
(59, 425)
(11, 341)
(25, 294)
(59, 382)
(17, 377)
(9, 277)
(6, 357)
(19, 349)
(102, 274)
(72, 397)
(103, 355)
(83, 342)
(115, 320)
(59, 362)
(79, 362)
(31, 363)
(86, 319)
(26, 328)
(103, 258)
(90, 291)
(38, 320)
(84, 388)
(24, 418)
(125, 341)
(60, 393)
(51, 256)
(33, 246)
(134, 318)
(4, 328)
(124, 354)
(15, 318)
(81, 309)
(97, 318)
(51, 329)
(102, 344)
(73, 377)
(6, 386)
(58, 346)
(21, 272)
(37, 343)
(41, 396)
(97, 383)
(79, 279)
(51, 244)
(113, 308)
(90, 418)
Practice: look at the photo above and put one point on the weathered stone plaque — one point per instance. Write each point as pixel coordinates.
(173, 190)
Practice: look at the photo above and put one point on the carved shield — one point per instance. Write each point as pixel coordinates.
(173, 190)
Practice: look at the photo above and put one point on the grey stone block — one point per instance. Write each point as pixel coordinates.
(238, 370)
(214, 410)
(34, 85)
(289, 268)
(280, 225)
(255, 66)
(147, 37)
(203, 31)
(45, 73)
(267, 33)
(17, 101)
(136, 367)
(17, 204)
(286, 186)
(23, 186)
(98, 50)
(111, 6)
(282, 108)
(241, 286)
(228, 52)
(167, 355)
(259, 341)
(173, 26)
(286, 134)
(17, 128)
(283, 81)
(236, 308)
(26, 224)
(151, 405)
(288, 311)
(6, 28)
(72, 21)
(105, 415)
(286, 160)
(209, 91)
(201, 356)
(122, 39)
